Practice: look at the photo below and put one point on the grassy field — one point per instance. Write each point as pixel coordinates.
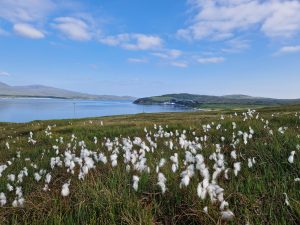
(229, 106)
(230, 169)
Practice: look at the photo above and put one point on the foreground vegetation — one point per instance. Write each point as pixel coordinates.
(220, 167)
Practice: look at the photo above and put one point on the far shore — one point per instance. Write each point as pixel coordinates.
(60, 98)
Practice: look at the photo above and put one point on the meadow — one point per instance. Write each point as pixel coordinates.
(218, 167)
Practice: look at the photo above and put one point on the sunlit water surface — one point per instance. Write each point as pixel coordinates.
(25, 110)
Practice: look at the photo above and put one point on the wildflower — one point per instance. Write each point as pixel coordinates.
(37, 176)
(127, 168)
(162, 162)
(186, 176)
(56, 148)
(185, 180)
(2, 199)
(223, 205)
(19, 202)
(286, 201)
(237, 168)
(245, 137)
(15, 203)
(30, 139)
(202, 189)
(102, 158)
(250, 164)
(65, 189)
(9, 187)
(174, 168)
(55, 161)
(11, 177)
(281, 130)
(291, 157)
(48, 178)
(162, 182)
(113, 159)
(135, 182)
(226, 174)
(251, 130)
(2, 168)
(233, 154)
(227, 215)
(19, 192)
(174, 159)
(233, 125)
(46, 187)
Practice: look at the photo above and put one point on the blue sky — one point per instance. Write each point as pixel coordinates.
(143, 48)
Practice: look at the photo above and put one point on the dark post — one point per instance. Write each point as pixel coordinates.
(74, 104)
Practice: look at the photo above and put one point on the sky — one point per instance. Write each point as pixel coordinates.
(143, 48)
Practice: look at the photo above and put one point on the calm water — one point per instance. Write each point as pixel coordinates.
(25, 110)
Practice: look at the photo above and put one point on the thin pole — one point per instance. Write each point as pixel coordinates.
(74, 104)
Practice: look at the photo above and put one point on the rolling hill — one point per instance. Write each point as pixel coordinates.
(207, 101)
(40, 91)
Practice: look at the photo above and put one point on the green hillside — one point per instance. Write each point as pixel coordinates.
(207, 101)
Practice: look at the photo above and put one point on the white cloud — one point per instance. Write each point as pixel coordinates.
(179, 64)
(288, 49)
(210, 60)
(38, 14)
(174, 53)
(168, 53)
(5, 74)
(27, 30)
(115, 40)
(236, 45)
(17, 11)
(133, 41)
(221, 19)
(160, 55)
(137, 60)
(143, 42)
(284, 20)
(73, 28)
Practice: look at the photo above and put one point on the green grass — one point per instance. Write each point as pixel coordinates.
(106, 195)
(229, 106)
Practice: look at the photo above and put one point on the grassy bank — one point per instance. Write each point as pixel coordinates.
(264, 191)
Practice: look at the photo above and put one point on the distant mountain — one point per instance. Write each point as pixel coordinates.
(40, 91)
(205, 101)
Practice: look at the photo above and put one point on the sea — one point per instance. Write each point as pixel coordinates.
(29, 109)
